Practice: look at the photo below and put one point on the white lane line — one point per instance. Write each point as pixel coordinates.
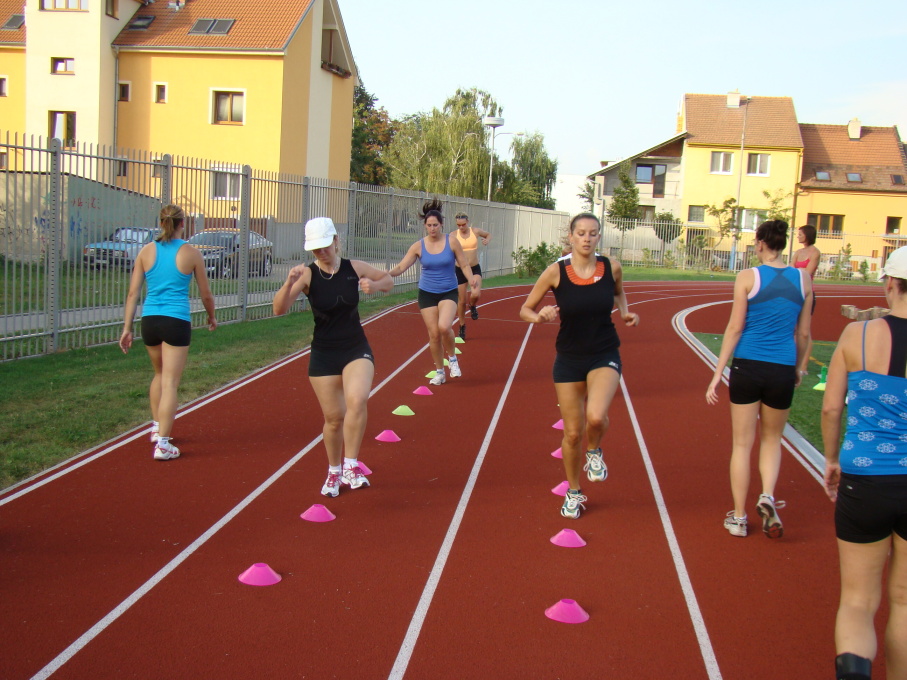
(418, 619)
(124, 606)
(702, 635)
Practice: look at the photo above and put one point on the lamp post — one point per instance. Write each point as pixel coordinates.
(494, 123)
(737, 212)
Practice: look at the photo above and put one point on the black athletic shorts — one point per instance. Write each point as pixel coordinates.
(427, 299)
(324, 362)
(476, 269)
(752, 381)
(157, 329)
(871, 507)
(570, 368)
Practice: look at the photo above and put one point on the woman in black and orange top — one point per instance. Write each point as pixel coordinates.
(469, 241)
(587, 369)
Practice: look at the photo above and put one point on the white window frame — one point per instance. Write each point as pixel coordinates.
(154, 87)
(69, 63)
(127, 83)
(55, 5)
(725, 156)
(68, 142)
(750, 218)
(690, 217)
(212, 104)
(760, 171)
(4, 85)
(234, 174)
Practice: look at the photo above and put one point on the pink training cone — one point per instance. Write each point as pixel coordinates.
(561, 489)
(364, 469)
(259, 574)
(559, 425)
(423, 390)
(558, 453)
(567, 611)
(388, 436)
(318, 513)
(568, 538)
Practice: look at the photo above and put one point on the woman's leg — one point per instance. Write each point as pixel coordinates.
(602, 385)
(461, 304)
(447, 310)
(154, 391)
(896, 631)
(173, 361)
(430, 317)
(329, 391)
(357, 383)
(862, 565)
(771, 427)
(571, 397)
(743, 434)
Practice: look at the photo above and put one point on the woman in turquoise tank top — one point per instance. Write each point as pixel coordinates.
(168, 264)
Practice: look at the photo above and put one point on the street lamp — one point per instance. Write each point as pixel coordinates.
(737, 212)
(494, 123)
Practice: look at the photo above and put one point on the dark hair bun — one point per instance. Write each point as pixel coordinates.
(432, 208)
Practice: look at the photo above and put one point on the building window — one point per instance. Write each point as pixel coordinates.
(15, 22)
(854, 177)
(897, 179)
(160, 93)
(757, 164)
(211, 27)
(157, 168)
(140, 23)
(893, 225)
(4, 160)
(228, 108)
(225, 184)
(62, 65)
(123, 92)
(696, 213)
(654, 175)
(722, 162)
(644, 174)
(647, 213)
(121, 167)
(2, 86)
(750, 219)
(831, 226)
(110, 8)
(63, 127)
(64, 4)
(823, 175)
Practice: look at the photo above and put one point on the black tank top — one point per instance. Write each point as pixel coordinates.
(335, 306)
(585, 310)
(897, 364)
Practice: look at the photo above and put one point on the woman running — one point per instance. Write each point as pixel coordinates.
(469, 241)
(807, 258)
(587, 368)
(168, 267)
(769, 318)
(440, 254)
(341, 365)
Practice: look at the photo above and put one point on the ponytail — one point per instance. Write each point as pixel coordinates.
(172, 217)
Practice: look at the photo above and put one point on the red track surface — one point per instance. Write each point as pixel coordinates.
(127, 568)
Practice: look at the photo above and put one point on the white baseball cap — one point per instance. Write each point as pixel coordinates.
(319, 233)
(896, 264)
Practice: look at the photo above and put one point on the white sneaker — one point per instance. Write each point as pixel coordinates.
(454, 367)
(573, 504)
(353, 476)
(155, 429)
(165, 451)
(331, 485)
(595, 467)
(735, 525)
(439, 378)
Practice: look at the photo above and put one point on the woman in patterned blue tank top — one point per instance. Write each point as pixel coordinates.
(866, 476)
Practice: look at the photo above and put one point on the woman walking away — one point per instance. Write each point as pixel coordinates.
(867, 477)
(439, 254)
(469, 241)
(168, 265)
(807, 258)
(769, 318)
(341, 365)
(587, 367)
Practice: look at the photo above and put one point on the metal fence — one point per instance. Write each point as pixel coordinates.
(73, 219)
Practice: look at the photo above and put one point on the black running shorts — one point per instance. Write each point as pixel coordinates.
(461, 280)
(324, 362)
(570, 368)
(427, 299)
(871, 507)
(752, 381)
(158, 329)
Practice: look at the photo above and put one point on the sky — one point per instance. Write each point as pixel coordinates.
(603, 80)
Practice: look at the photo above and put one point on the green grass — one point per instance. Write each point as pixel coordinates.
(806, 411)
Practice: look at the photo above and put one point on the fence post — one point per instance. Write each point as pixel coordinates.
(388, 228)
(245, 211)
(306, 198)
(55, 235)
(166, 165)
(351, 218)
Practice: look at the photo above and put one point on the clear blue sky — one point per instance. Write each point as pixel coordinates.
(603, 80)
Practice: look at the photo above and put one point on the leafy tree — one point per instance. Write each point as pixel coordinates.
(623, 209)
(373, 131)
(667, 227)
(531, 164)
(588, 196)
(776, 201)
(726, 215)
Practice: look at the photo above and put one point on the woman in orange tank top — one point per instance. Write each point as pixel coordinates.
(469, 241)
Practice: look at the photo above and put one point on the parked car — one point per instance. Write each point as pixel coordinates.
(220, 250)
(120, 249)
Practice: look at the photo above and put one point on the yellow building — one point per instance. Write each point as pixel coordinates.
(260, 84)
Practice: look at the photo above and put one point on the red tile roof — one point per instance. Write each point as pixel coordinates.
(257, 25)
(7, 9)
(770, 121)
(876, 155)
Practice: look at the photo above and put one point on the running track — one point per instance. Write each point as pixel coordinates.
(116, 566)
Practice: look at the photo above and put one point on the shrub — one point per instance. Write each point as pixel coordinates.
(533, 262)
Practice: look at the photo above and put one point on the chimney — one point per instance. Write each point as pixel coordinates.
(854, 129)
(733, 99)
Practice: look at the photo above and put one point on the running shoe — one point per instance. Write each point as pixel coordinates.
(155, 432)
(767, 507)
(595, 467)
(439, 378)
(736, 525)
(353, 476)
(473, 312)
(165, 451)
(331, 485)
(573, 504)
(462, 331)
(454, 367)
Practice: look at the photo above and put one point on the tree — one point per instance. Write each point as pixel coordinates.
(373, 131)
(624, 205)
(588, 196)
(667, 227)
(726, 215)
(532, 165)
(776, 201)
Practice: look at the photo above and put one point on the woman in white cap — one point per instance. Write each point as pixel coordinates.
(341, 364)
(867, 477)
